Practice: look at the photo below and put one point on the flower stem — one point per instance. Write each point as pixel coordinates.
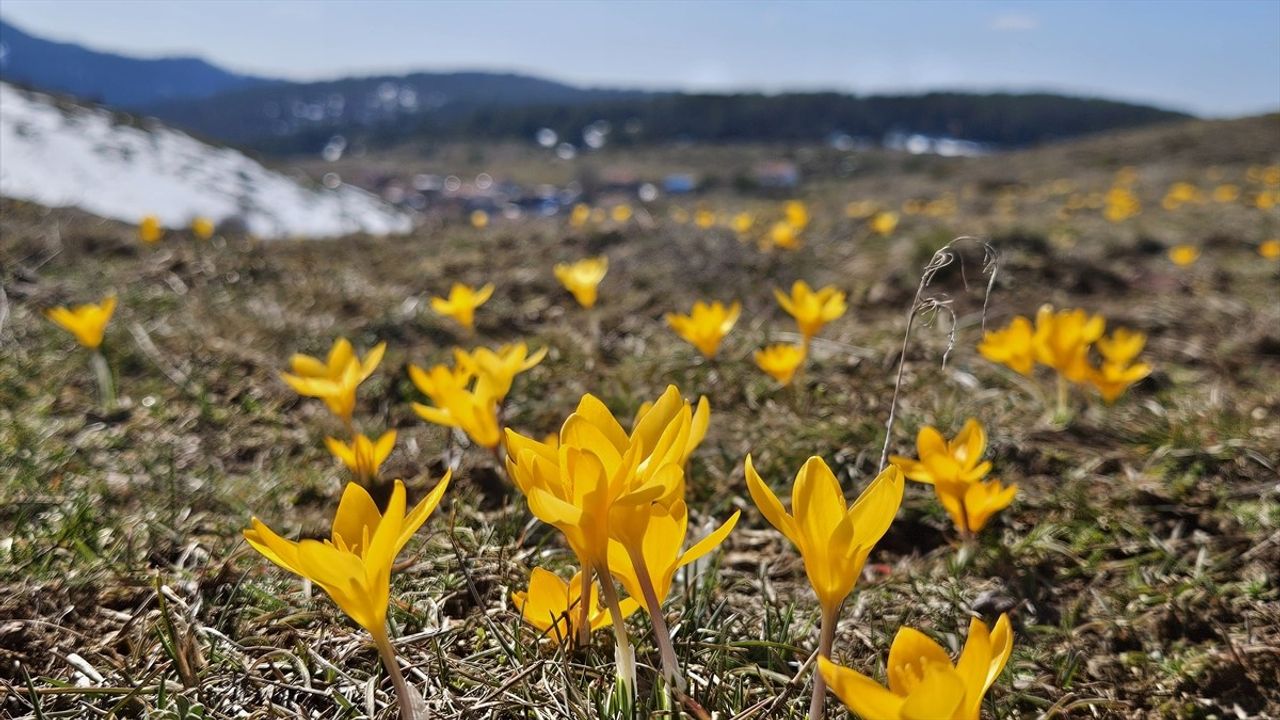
(404, 695)
(106, 389)
(1060, 414)
(624, 656)
(584, 601)
(826, 635)
(661, 634)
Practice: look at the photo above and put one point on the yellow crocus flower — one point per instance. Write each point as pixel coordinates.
(781, 361)
(363, 456)
(706, 325)
(203, 228)
(479, 219)
(923, 683)
(1062, 340)
(1011, 346)
(306, 367)
(742, 223)
(1118, 370)
(600, 484)
(884, 223)
(1184, 255)
(796, 214)
(620, 213)
(582, 278)
(971, 505)
(579, 215)
(704, 219)
(335, 379)
(784, 235)
(150, 231)
(812, 309)
(944, 462)
(462, 303)
(88, 322)
(496, 370)
(1270, 249)
(475, 413)
(354, 565)
(834, 538)
(552, 605)
(646, 569)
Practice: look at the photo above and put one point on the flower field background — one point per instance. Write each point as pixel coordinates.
(1138, 564)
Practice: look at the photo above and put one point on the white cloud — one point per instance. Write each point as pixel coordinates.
(1014, 22)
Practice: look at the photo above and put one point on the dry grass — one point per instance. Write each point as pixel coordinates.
(1139, 563)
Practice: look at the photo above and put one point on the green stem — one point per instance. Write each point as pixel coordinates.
(584, 600)
(624, 656)
(404, 695)
(1060, 414)
(106, 389)
(826, 636)
(661, 634)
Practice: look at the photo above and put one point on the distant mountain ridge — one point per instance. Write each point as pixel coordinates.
(109, 78)
(282, 117)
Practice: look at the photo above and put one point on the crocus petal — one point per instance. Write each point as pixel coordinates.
(864, 696)
(769, 504)
(911, 653)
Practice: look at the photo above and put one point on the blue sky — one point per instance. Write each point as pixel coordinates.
(1213, 58)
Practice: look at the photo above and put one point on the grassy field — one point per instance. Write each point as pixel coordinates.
(1139, 563)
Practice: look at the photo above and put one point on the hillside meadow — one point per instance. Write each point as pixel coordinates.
(1137, 564)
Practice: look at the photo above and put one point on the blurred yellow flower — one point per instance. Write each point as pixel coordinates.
(742, 223)
(335, 379)
(811, 309)
(553, 606)
(1184, 255)
(496, 370)
(784, 235)
(706, 325)
(203, 228)
(1011, 346)
(354, 565)
(972, 505)
(860, 209)
(796, 214)
(620, 213)
(582, 278)
(1226, 193)
(472, 410)
(680, 215)
(150, 231)
(781, 361)
(923, 683)
(1062, 340)
(1181, 193)
(1118, 371)
(704, 219)
(88, 322)
(1120, 204)
(462, 303)
(363, 456)
(884, 223)
(1270, 249)
(579, 215)
(479, 219)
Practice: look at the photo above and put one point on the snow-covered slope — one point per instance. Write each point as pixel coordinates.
(59, 154)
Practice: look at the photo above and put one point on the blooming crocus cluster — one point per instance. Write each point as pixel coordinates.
(923, 682)
(618, 499)
(833, 538)
(706, 325)
(468, 395)
(1063, 340)
(462, 303)
(354, 565)
(956, 471)
(582, 278)
(812, 310)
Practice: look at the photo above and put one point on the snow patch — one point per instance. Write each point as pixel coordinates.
(69, 155)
